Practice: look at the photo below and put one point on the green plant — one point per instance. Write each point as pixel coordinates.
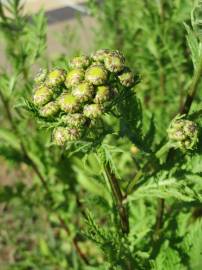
(113, 165)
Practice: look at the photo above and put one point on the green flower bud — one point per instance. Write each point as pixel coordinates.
(75, 76)
(114, 61)
(80, 62)
(83, 91)
(102, 94)
(73, 134)
(42, 95)
(96, 74)
(68, 103)
(100, 55)
(50, 109)
(184, 132)
(93, 111)
(126, 78)
(41, 76)
(60, 135)
(55, 77)
(74, 120)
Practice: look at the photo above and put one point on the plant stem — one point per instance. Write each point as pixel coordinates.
(118, 197)
(159, 218)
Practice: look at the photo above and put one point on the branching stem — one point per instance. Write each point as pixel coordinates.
(118, 197)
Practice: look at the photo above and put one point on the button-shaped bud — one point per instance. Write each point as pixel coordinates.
(82, 61)
(73, 133)
(96, 74)
(60, 135)
(50, 109)
(41, 76)
(93, 111)
(74, 120)
(100, 55)
(42, 95)
(102, 94)
(184, 132)
(68, 103)
(83, 91)
(114, 61)
(55, 77)
(126, 77)
(75, 76)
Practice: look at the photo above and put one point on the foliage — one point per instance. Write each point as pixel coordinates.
(127, 199)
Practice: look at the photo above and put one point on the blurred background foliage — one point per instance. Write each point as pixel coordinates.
(56, 211)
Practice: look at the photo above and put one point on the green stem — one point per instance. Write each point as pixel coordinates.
(118, 197)
(163, 150)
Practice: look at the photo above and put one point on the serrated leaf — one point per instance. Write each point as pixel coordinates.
(9, 137)
(193, 45)
(91, 184)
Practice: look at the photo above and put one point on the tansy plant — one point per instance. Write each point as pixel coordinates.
(75, 101)
(112, 152)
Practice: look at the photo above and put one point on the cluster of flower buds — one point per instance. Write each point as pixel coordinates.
(184, 133)
(80, 95)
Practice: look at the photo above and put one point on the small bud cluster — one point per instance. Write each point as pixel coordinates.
(78, 97)
(184, 133)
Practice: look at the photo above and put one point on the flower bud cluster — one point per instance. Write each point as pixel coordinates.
(78, 97)
(184, 133)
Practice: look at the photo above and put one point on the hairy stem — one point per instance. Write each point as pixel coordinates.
(118, 197)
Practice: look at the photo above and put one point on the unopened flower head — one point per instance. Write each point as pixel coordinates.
(102, 94)
(60, 135)
(73, 133)
(100, 55)
(41, 76)
(96, 74)
(69, 103)
(92, 111)
(126, 77)
(74, 76)
(42, 95)
(184, 133)
(55, 77)
(114, 61)
(82, 62)
(50, 109)
(74, 120)
(83, 91)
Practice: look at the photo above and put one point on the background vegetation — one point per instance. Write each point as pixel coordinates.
(58, 213)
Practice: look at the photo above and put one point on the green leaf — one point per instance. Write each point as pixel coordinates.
(10, 138)
(193, 45)
(90, 184)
